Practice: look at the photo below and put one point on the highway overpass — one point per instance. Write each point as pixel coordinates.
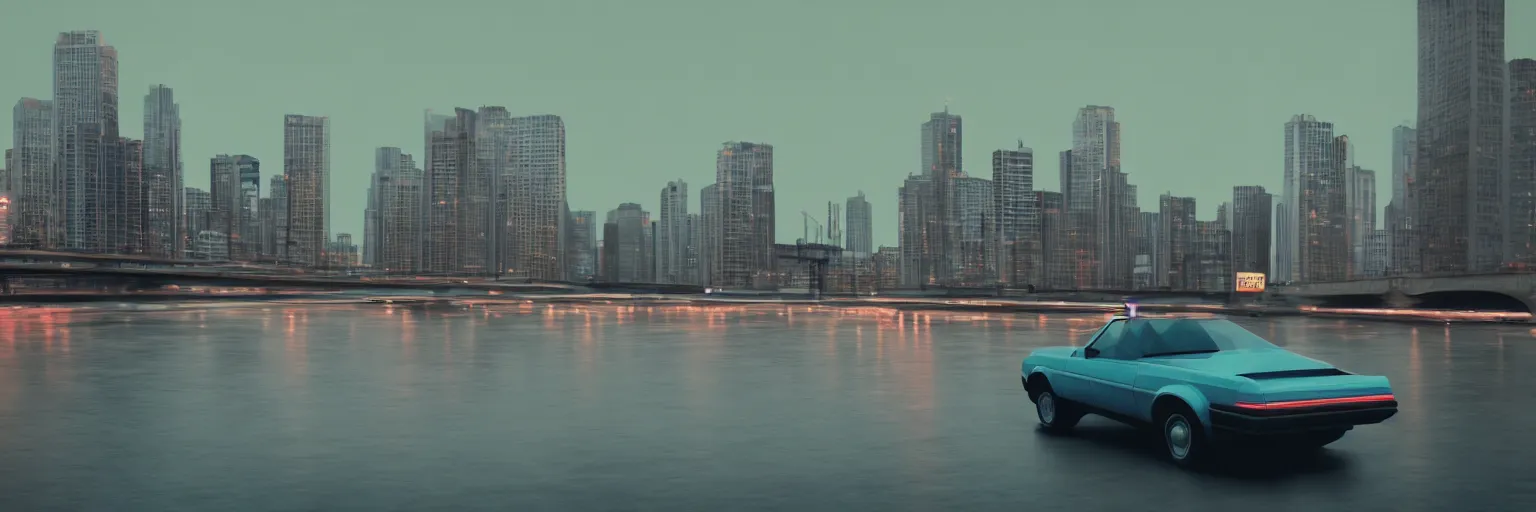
(1479, 291)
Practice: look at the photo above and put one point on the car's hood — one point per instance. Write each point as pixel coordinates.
(1238, 362)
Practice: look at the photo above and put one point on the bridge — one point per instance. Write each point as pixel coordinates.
(1480, 291)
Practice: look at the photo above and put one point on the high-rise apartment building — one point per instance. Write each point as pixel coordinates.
(710, 231)
(581, 245)
(941, 137)
(36, 214)
(1360, 199)
(1521, 162)
(196, 220)
(486, 189)
(626, 259)
(1149, 251)
(859, 227)
(164, 234)
(275, 219)
(1308, 155)
(974, 232)
(224, 196)
(245, 236)
(1252, 225)
(1324, 218)
(1017, 223)
(1377, 250)
(915, 225)
(397, 212)
(1095, 214)
(1403, 250)
(1178, 259)
(1458, 170)
(1213, 261)
(1055, 247)
(307, 166)
(672, 235)
(538, 197)
(450, 157)
(85, 134)
(744, 175)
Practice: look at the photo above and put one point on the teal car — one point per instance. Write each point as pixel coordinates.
(1201, 382)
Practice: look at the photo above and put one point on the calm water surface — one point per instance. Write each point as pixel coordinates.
(570, 407)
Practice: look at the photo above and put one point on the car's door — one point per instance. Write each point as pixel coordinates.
(1110, 368)
(1069, 380)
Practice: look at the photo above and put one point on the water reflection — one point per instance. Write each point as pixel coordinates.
(592, 406)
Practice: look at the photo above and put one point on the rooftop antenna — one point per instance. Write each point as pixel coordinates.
(947, 99)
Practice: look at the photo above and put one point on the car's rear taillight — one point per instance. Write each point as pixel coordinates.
(1302, 404)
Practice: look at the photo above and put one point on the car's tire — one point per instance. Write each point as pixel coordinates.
(1055, 414)
(1184, 439)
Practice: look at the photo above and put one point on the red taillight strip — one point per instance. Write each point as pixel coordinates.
(1300, 404)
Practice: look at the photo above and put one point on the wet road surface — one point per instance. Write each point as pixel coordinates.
(572, 407)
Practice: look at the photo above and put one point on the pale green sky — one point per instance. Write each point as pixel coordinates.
(650, 88)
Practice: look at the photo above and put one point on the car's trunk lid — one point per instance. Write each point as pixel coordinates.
(1285, 386)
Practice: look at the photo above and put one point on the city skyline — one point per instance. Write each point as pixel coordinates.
(814, 165)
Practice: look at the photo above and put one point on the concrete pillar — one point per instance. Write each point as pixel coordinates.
(1399, 300)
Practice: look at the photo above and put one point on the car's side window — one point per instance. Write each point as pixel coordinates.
(1133, 341)
(1108, 341)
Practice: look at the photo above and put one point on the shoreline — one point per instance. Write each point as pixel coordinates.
(195, 300)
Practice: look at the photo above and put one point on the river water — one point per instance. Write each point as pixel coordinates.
(617, 407)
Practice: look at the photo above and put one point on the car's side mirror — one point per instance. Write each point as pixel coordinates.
(1090, 353)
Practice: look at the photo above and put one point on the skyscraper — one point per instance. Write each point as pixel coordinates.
(1179, 260)
(307, 165)
(860, 228)
(1360, 198)
(1324, 218)
(85, 131)
(1252, 208)
(450, 156)
(626, 244)
(1458, 170)
(224, 196)
(1308, 155)
(1094, 207)
(275, 219)
(672, 238)
(916, 228)
(744, 175)
(1055, 248)
(1402, 245)
(974, 232)
(711, 229)
(196, 220)
(581, 246)
(245, 238)
(35, 197)
(1522, 162)
(397, 193)
(942, 137)
(1017, 223)
(1213, 261)
(538, 196)
(163, 178)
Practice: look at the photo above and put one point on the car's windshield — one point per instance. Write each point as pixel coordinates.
(1168, 336)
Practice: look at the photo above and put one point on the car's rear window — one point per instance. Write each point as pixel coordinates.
(1190, 335)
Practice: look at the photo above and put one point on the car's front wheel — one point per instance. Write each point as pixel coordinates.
(1055, 414)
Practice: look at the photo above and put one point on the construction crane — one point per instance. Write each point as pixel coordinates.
(806, 238)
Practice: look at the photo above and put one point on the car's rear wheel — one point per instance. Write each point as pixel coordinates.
(1183, 437)
(1055, 414)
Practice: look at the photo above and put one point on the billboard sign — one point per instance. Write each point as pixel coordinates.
(1250, 282)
